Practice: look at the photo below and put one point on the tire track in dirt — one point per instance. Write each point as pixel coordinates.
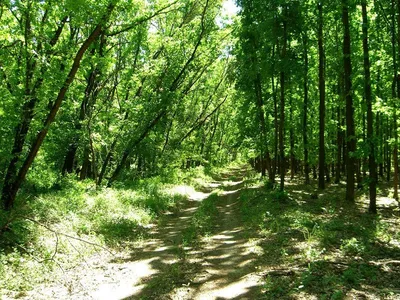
(228, 259)
(161, 267)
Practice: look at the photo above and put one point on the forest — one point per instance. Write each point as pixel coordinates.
(199, 149)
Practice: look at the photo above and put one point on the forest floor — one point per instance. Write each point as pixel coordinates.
(236, 239)
(177, 259)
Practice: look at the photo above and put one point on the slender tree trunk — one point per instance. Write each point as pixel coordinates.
(30, 93)
(133, 145)
(86, 165)
(282, 112)
(291, 136)
(370, 117)
(276, 124)
(305, 111)
(321, 54)
(258, 90)
(340, 150)
(364, 135)
(379, 132)
(260, 107)
(28, 107)
(396, 136)
(83, 112)
(388, 150)
(350, 130)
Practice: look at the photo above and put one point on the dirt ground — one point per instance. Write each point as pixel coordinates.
(222, 266)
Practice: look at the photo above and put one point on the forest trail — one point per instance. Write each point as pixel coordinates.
(228, 259)
(220, 266)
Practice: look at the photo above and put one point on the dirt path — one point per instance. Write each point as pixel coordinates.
(228, 260)
(161, 267)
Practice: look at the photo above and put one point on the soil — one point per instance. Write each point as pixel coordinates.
(222, 266)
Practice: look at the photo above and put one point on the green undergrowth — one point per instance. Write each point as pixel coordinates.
(202, 222)
(46, 232)
(323, 247)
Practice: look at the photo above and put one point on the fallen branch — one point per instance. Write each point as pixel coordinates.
(68, 236)
(284, 272)
(384, 263)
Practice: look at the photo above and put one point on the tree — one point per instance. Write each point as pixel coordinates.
(321, 55)
(370, 117)
(14, 179)
(350, 130)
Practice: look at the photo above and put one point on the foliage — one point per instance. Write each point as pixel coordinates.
(323, 248)
(112, 217)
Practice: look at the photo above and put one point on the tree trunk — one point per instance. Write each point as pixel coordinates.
(339, 137)
(370, 117)
(396, 136)
(282, 111)
(291, 136)
(133, 145)
(276, 124)
(388, 150)
(83, 112)
(259, 101)
(350, 129)
(305, 111)
(321, 54)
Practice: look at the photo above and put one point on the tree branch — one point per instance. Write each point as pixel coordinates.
(143, 20)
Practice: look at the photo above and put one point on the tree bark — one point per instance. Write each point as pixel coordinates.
(305, 111)
(282, 110)
(370, 126)
(321, 67)
(276, 124)
(350, 129)
(396, 136)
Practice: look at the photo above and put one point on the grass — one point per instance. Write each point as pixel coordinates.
(323, 247)
(44, 233)
(203, 221)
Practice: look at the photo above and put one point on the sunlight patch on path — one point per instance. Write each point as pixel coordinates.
(233, 290)
(119, 289)
(191, 193)
(228, 257)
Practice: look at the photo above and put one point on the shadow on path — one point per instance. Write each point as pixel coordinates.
(222, 267)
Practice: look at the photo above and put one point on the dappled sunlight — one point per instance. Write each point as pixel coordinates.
(217, 290)
(198, 196)
(223, 261)
(182, 189)
(222, 237)
(123, 288)
(386, 202)
(208, 249)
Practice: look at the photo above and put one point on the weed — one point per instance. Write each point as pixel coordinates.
(352, 247)
(281, 196)
(269, 185)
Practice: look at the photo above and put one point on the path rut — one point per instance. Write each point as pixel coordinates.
(223, 266)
